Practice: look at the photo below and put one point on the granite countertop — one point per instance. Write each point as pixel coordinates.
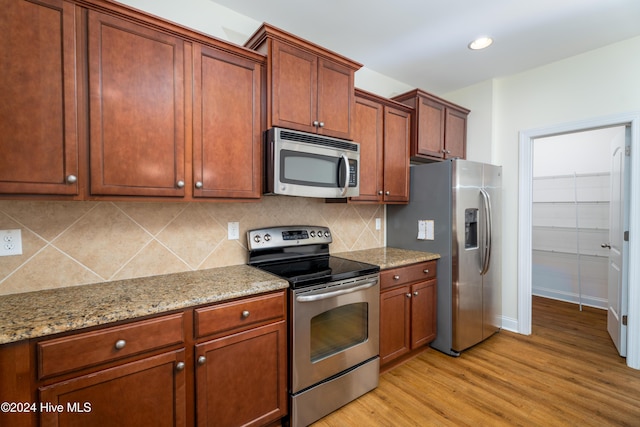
(36, 314)
(388, 257)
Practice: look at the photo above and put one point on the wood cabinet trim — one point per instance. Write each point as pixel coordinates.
(267, 31)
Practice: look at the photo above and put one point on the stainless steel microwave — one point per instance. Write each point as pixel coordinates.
(309, 165)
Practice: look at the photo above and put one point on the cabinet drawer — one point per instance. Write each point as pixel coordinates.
(408, 274)
(239, 315)
(79, 351)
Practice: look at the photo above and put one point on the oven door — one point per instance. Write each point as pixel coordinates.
(334, 327)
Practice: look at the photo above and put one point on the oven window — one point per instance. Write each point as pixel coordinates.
(338, 329)
(309, 169)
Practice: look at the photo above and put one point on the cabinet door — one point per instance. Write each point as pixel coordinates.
(335, 99)
(241, 379)
(423, 313)
(150, 392)
(226, 130)
(136, 85)
(430, 136)
(455, 142)
(294, 86)
(397, 125)
(395, 306)
(367, 131)
(38, 135)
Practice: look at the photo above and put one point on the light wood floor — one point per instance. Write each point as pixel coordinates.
(566, 373)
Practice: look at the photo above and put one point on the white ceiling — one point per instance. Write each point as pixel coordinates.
(423, 43)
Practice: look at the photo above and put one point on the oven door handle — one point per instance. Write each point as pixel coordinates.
(325, 295)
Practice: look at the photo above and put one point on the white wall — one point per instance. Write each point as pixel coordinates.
(595, 84)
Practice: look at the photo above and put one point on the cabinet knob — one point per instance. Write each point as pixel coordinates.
(201, 360)
(199, 184)
(245, 314)
(426, 271)
(321, 124)
(72, 179)
(396, 277)
(316, 123)
(380, 193)
(408, 295)
(415, 293)
(180, 184)
(387, 192)
(120, 344)
(179, 366)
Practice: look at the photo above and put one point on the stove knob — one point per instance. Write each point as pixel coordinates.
(312, 233)
(267, 237)
(256, 238)
(320, 233)
(327, 234)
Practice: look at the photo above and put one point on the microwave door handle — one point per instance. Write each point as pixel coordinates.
(346, 175)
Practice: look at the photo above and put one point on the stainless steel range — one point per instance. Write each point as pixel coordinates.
(334, 308)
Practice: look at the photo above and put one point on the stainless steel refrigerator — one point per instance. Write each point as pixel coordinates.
(455, 210)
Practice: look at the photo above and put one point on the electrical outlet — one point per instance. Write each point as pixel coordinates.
(378, 224)
(10, 242)
(233, 230)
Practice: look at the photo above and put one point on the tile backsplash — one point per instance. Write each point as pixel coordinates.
(76, 243)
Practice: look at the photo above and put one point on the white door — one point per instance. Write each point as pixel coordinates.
(618, 245)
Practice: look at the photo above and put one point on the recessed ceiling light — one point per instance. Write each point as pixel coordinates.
(481, 43)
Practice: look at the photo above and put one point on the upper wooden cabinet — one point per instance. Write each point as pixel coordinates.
(38, 133)
(382, 127)
(227, 127)
(104, 102)
(439, 128)
(136, 85)
(309, 88)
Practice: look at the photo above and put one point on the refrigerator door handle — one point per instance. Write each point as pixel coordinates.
(485, 253)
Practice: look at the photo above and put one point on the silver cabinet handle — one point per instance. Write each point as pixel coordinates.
(321, 124)
(380, 193)
(316, 123)
(396, 277)
(180, 184)
(179, 366)
(245, 314)
(415, 293)
(120, 344)
(72, 179)
(199, 184)
(408, 295)
(426, 271)
(387, 192)
(201, 360)
(605, 245)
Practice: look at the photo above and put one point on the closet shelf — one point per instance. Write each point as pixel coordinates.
(552, 251)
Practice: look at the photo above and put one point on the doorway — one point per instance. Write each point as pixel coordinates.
(571, 194)
(632, 121)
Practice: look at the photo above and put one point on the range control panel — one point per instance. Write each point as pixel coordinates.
(294, 235)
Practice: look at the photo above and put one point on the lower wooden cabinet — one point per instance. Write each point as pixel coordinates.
(149, 391)
(241, 379)
(407, 309)
(219, 365)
